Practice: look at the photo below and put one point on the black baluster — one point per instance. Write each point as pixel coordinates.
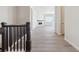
(14, 30)
(24, 36)
(17, 37)
(10, 38)
(6, 38)
(20, 38)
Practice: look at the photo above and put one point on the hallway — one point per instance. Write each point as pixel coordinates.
(45, 40)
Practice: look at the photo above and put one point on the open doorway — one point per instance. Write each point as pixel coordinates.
(43, 16)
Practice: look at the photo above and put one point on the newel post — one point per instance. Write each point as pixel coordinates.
(28, 41)
(3, 39)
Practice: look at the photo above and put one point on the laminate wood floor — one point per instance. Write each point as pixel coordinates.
(45, 40)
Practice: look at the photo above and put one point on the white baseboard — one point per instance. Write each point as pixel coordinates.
(71, 43)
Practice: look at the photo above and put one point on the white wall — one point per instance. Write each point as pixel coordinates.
(62, 19)
(22, 14)
(6, 15)
(71, 25)
(58, 19)
(38, 13)
(12, 14)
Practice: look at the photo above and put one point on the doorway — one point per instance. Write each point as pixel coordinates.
(43, 16)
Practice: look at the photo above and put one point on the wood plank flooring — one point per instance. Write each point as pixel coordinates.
(45, 40)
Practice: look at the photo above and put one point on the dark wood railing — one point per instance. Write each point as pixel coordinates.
(16, 37)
